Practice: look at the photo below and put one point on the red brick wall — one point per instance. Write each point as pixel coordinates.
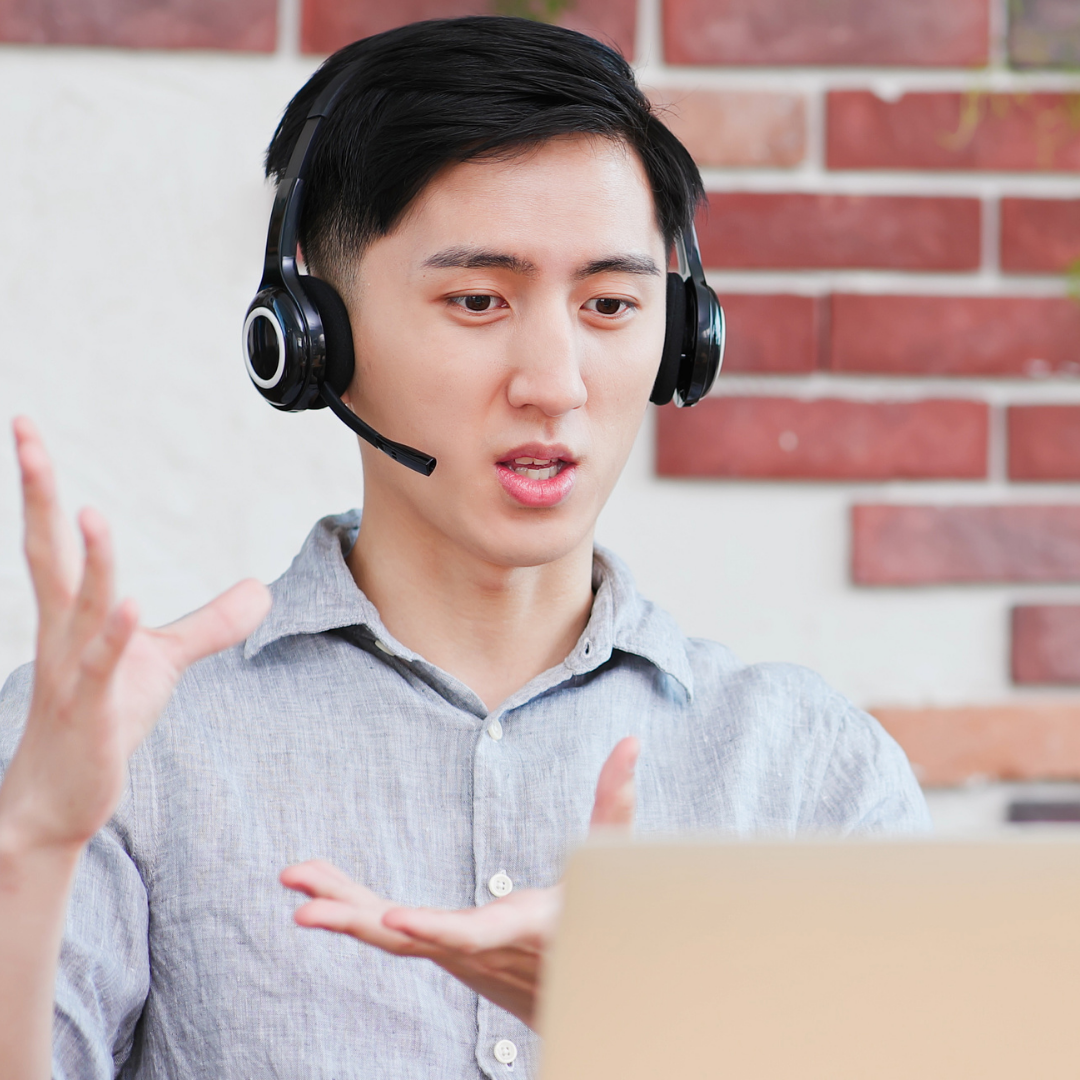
(893, 215)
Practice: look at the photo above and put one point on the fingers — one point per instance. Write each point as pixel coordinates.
(103, 653)
(456, 930)
(615, 799)
(49, 545)
(317, 877)
(523, 920)
(339, 904)
(226, 620)
(96, 588)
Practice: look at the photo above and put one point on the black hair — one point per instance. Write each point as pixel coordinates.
(444, 91)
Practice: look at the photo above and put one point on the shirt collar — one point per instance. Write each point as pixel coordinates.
(317, 593)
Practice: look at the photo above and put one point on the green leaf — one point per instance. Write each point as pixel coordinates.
(547, 11)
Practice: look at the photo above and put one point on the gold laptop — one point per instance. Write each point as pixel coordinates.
(817, 961)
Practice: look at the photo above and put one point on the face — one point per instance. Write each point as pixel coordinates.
(511, 325)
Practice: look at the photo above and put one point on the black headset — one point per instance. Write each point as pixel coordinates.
(298, 343)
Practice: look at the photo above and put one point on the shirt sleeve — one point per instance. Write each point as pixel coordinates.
(867, 784)
(104, 973)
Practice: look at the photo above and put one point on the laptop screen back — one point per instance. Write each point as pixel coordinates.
(817, 961)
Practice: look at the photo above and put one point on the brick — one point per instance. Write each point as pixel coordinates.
(1044, 33)
(1040, 235)
(242, 25)
(954, 335)
(732, 127)
(326, 25)
(937, 545)
(772, 334)
(1044, 442)
(946, 747)
(1016, 132)
(794, 231)
(1046, 644)
(773, 438)
(920, 33)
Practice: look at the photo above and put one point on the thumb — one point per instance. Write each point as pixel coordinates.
(226, 620)
(615, 799)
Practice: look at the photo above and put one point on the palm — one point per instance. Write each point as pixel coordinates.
(496, 950)
(145, 679)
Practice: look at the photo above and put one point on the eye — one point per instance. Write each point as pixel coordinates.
(608, 305)
(476, 302)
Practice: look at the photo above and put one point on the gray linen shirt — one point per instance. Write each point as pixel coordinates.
(323, 736)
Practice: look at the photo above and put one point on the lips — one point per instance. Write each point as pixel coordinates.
(537, 476)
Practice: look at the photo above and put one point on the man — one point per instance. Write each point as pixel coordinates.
(439, 680)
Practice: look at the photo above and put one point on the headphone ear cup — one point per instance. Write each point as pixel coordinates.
(340, 362)
(667, 377)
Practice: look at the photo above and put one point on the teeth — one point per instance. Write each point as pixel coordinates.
(536, 468)
(536, 474)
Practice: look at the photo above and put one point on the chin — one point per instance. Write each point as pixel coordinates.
(532, 541)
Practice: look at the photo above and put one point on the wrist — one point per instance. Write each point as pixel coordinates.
(24, 834)
(26, 862)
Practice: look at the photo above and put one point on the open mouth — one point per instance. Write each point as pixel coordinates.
(537, 476)
(536, 468)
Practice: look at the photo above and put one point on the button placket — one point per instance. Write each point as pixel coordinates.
(502, 1044)
(489, 765)
(505, 1047)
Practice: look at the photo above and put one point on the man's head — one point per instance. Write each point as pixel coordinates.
(496, 203)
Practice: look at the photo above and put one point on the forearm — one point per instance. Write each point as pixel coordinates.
(35, 881)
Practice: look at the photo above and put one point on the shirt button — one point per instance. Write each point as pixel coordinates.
(499, 885)
(505, 1051)
(383, 647)
(494, 729)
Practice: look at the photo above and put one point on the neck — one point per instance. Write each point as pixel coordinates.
(492, 627)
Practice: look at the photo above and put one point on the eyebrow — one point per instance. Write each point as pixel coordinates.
(620, 264)
(465, 258)
(479, 259)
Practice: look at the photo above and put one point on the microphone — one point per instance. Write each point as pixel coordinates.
(402, 454)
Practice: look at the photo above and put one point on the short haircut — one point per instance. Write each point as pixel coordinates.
(436, 93)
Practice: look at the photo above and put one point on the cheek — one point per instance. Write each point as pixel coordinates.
(396, 360)
(626, 373)
(420, 385)
(617, 403)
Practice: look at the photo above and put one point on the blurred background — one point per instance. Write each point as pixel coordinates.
(885, 483)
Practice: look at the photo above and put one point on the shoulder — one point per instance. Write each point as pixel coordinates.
(838, 764)
(790, 694)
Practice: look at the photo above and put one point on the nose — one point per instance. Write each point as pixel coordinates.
(545, 364)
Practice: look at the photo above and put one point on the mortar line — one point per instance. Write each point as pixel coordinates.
(288, 36)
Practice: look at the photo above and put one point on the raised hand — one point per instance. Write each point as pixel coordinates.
(100, 682)
(100, 679)
(497, 949)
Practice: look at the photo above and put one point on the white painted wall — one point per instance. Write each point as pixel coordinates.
(133, 215)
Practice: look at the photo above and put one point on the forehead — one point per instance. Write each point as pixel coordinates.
(580, 191)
